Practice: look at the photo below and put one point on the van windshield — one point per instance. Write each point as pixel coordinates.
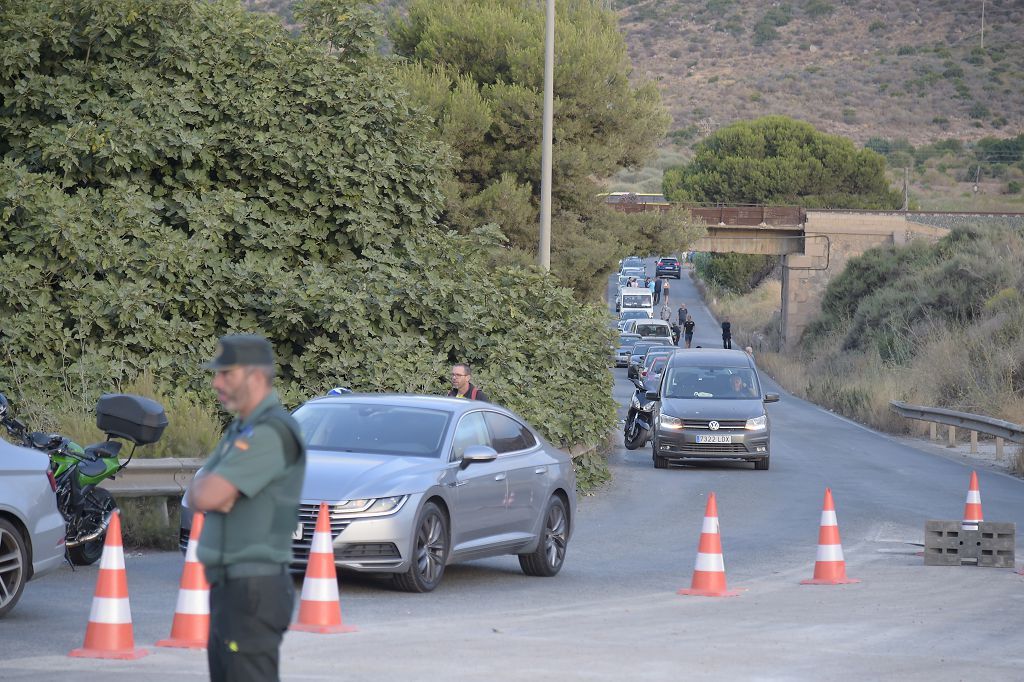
(637, 301)
(719, 383)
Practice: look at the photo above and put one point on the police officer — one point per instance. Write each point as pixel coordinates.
(249, 489)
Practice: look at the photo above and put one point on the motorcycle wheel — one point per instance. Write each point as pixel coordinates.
(635, 437)
(100, 502)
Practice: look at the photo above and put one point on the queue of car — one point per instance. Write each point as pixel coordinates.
(708, 403)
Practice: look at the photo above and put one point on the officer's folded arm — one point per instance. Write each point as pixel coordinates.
(212, 492)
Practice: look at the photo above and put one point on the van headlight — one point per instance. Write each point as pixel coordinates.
(757, 423)
(667, 422)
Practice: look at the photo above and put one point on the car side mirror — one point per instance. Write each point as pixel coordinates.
(652, 395)
(478, 453)
(771, 397)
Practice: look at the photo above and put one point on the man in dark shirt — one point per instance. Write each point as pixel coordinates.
(688, 330)
(726, 333)
(462, 387)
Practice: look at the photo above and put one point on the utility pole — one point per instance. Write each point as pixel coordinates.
(982, 25)
(906, 188)
(544, 256)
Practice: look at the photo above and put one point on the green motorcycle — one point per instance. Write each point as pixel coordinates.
(77, 471)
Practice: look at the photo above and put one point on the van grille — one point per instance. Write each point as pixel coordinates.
(722, 423)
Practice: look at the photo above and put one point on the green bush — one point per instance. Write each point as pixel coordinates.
(193, 169)
(738, 273)
(883, 296)
(1013, 187)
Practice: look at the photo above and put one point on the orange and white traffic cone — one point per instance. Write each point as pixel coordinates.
(320, 607)
(830, 566)
(191, 626)
(709, 572)
(972, 508)
(109, 632)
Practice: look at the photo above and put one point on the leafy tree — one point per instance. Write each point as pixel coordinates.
(175, 170)
(477, 66)
(778, 160)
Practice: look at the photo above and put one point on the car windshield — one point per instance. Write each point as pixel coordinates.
(633, 272)
(651, 329)
(633, 262)
(628, 340)
(635, 315)
(374, 428)
(729, 383)
(668, 261)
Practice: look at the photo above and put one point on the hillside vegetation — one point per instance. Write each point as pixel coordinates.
(912, 69)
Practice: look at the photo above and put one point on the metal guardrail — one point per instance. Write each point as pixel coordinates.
(165, 477)
(975, 423)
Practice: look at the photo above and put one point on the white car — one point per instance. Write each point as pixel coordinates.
(31, 528)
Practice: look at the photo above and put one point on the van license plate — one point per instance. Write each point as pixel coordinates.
(297, 535)
(714, 439)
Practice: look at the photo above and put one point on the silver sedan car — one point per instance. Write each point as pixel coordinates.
(415, 483)
(31, 528)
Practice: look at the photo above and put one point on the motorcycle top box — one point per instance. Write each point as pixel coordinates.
(132, 417)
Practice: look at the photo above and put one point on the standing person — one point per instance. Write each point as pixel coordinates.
(676, 333)
(657, 290)
(682, 313)
(664, 290)
(688, 330)
(726, 333)
(249, 489)
(666, 313)
(462, 387)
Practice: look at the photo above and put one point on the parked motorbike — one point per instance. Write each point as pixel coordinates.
(77, 471)
(638, 420)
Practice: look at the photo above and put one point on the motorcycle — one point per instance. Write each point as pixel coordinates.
(77, 471)
(638, 420)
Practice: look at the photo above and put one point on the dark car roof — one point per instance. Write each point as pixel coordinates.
(719, 357)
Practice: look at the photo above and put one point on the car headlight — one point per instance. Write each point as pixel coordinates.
(379, 506)
(667, 422)
(757, 423)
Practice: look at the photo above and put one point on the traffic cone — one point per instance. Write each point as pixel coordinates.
(191, 626)
(830, 567)
(320, 608)
(109, 633)
(709, 572)
(972, 508)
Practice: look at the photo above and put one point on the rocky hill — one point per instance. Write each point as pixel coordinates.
(895, 69)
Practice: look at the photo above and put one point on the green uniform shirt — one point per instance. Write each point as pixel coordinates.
(259, 527)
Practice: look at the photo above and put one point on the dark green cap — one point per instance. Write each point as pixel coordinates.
(241, 349)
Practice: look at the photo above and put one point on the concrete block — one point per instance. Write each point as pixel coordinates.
(943, 543)
(991, 545)
(996, 544)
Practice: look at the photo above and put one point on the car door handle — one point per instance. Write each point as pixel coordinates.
(540, 470)
(500, 477)
(456, 484)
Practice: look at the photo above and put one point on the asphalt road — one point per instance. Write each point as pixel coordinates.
(613, 612)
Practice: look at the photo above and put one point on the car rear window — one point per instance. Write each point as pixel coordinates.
(373, 428)
(636, 300)
(652, 329)
(669, 261)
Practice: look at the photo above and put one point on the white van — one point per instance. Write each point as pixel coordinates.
(638, 298)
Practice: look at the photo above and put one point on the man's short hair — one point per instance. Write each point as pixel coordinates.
(464, 365)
